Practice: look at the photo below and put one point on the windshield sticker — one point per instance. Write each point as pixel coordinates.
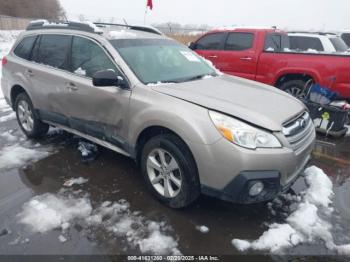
(190, 57)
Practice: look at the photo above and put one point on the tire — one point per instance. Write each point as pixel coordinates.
(294, 87)
(174, 149)
(27, 118)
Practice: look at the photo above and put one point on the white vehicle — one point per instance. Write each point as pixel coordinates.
(320, 42)
(345, 35)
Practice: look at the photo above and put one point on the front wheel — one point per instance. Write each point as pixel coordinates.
(170, 171)
(27, 118)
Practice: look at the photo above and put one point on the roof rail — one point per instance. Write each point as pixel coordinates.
(310, 32)
(144, 28)
(81, 26)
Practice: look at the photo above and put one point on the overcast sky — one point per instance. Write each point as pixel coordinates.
(297, 14)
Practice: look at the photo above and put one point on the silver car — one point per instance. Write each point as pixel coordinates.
(191, 129)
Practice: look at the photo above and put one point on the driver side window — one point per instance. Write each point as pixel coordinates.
(87, 58)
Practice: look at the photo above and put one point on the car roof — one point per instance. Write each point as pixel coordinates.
(247, 29)
(107, 30)
(317, 35)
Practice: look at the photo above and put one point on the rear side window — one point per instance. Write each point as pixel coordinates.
(53, 50)
(24, 48)
(273, 43)
(346, 38)
(304, 43)
(338, 44)
(239, 41)
(210, 42)
(87, 58)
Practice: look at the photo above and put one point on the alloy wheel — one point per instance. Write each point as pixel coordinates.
(164, 173)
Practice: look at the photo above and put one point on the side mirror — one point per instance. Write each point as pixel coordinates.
(108, 78)
(192, 46)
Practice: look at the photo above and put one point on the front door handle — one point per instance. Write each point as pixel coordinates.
(213, 56)
(71, 86)
(29, 73)
(246, 58)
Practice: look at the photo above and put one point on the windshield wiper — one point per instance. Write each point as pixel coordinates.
(198, 77)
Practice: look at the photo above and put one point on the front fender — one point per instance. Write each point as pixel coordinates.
(191, 122)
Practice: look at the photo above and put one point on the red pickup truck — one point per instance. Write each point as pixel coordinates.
(263, 55)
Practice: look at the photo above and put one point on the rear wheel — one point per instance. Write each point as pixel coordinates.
(170, 171)
(27, 118)
(295, 87)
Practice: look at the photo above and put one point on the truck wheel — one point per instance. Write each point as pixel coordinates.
(295, 88)
(170, 171)
(27, 118)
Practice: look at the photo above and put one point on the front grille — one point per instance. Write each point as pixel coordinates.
(298, 131)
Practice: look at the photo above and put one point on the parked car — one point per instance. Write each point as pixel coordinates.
(264, 55)
(320, 42)
(141, 94)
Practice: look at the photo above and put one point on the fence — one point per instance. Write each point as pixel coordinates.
(13, 23)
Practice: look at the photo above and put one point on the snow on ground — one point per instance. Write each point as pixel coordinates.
(18, 155)
(9, 136)
(75, 181)
(307, 224)
(66, 208)
(48, 211)
(8, 117)
(203, 229)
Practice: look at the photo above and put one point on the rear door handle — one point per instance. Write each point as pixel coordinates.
(246, 58)
(71, 86)
(29, 73)
(213, 56)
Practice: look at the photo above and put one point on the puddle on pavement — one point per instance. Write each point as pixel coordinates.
(113, 177)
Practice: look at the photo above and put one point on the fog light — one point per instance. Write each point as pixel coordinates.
(256, 189)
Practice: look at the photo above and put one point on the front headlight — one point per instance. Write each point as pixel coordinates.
(243, 134)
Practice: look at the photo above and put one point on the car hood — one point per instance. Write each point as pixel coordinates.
(259, 104)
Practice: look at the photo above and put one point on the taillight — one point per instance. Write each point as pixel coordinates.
(4, 61)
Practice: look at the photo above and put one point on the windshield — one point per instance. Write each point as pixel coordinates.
(162, 60)
(339, 44)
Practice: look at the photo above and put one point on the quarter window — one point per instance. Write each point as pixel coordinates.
(24, 48)
(88, 58)
(239, 41)
(210, 42)
(305, 43)
(52, 50)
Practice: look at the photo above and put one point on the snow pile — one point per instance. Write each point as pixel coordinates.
(203, 229)
(48, 212)
(17, 155)
(7, 117)
(121, 34)
(306, 224)
(75, 181)
(8, 135)
(147, 235)
(7, 39)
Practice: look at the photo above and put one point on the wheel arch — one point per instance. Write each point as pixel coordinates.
(153, 131)
(294, 76)
(15, 91)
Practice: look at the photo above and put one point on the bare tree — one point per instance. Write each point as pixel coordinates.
(47, 9)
